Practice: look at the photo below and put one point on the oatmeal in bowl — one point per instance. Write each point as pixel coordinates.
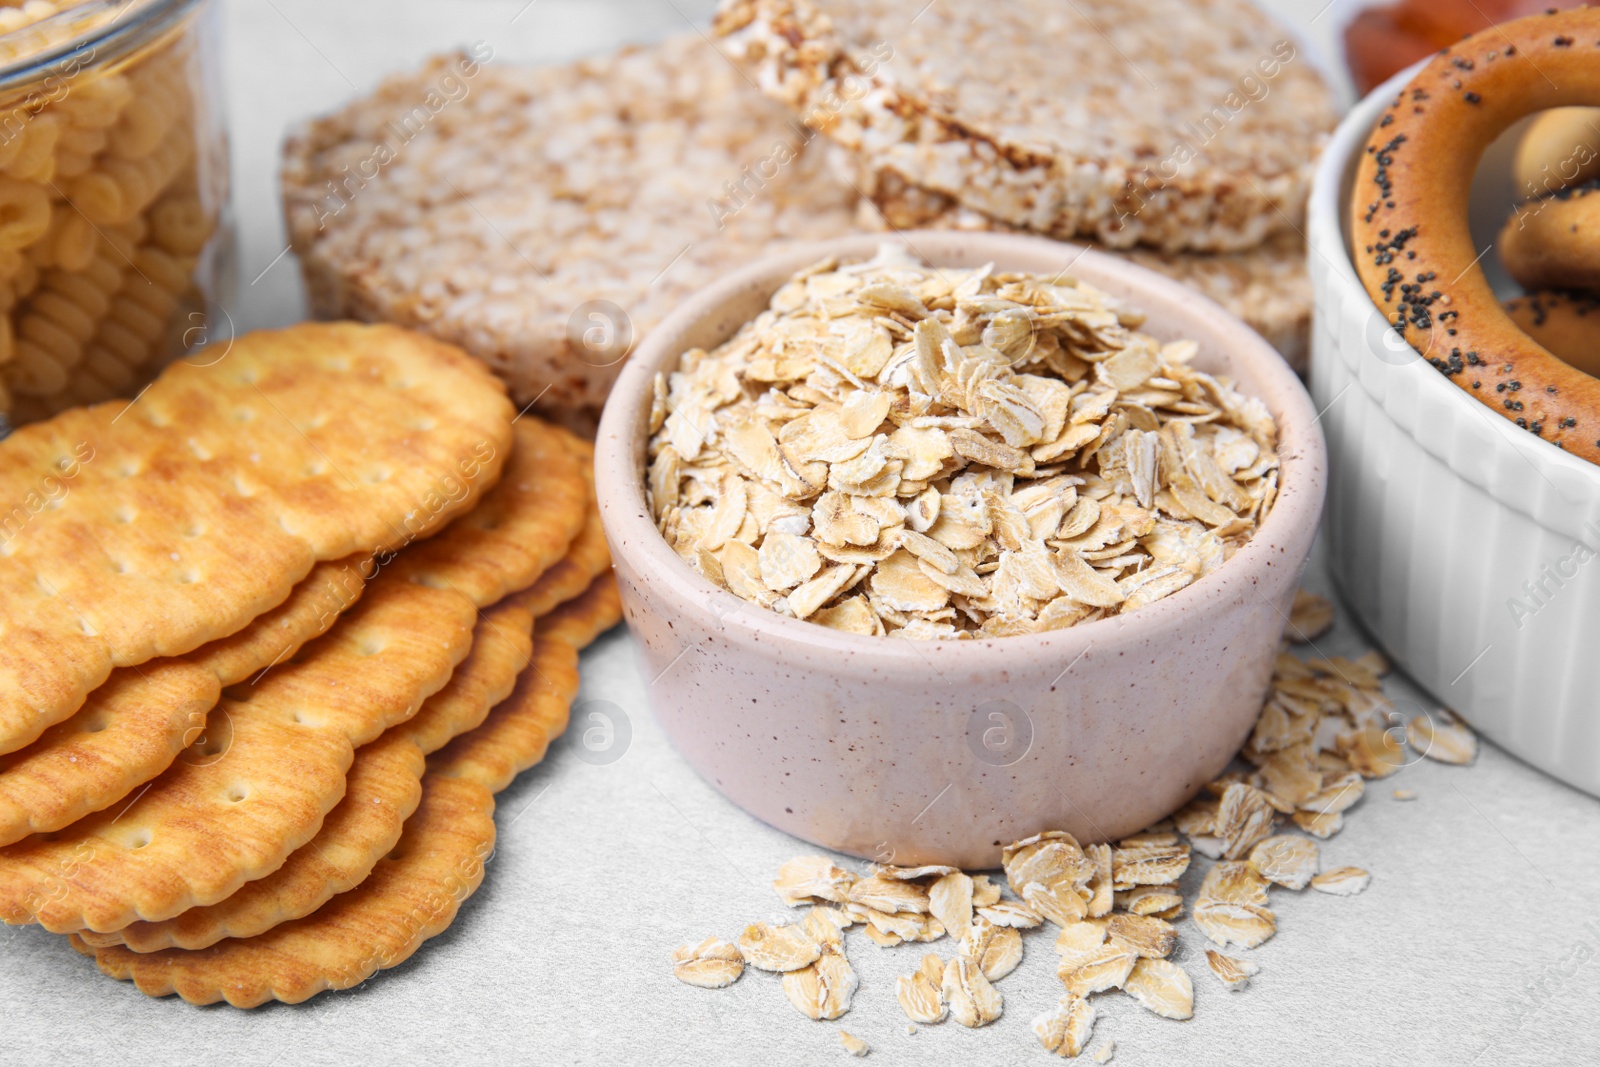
(977, 519)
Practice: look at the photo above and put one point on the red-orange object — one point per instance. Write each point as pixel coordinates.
(1381, 41)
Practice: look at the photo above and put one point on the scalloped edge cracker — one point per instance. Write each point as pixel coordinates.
(384, 788)
(134, 726)
(197, 507)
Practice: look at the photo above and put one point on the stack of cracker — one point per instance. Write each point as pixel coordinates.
(545, 219)
(280, 630)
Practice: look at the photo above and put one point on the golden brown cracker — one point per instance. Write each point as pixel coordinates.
(331, 589)
(586, 557)
(522, 526)
(519, 729)
(131, 531)
(502, 646)
(412, 895)
(134, 726)
(384, 784)
(415, 892)
(580, 620)
(131, 730)
(204, 828)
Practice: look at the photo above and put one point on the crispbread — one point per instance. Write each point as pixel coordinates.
(1268, 286)
(412, 895)
(133, 727)
(516, 733)
(1154, 121)
(384, 786)
(177, 519)
(523, 525)
(630, 180)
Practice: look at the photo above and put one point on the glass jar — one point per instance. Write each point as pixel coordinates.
(116, 241)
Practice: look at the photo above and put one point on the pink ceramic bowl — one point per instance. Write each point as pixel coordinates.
(943, 751)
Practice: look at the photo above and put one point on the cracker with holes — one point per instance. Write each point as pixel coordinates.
(587, 557)
(412, 894)
(554, 214)
(138, 722)
(137, 531)
(162, 855)
(521, 527)
(516, 733)
(384, 787)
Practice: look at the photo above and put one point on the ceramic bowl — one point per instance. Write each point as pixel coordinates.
(1465, 545)
(942, 751)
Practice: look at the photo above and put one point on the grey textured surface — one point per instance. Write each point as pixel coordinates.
(1476, 943)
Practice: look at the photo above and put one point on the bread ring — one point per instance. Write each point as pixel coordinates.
(1568, 324)
(1560, 148)
(1555, 242)
(1413, 250)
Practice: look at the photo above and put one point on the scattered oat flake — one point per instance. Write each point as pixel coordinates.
(1011, 913)
(822, 990)
(1151, 900)
(1310, 617)
(912, 874)
(1162, 987)
(712, 964)
(973, 1001)
(995, 949)
(1098, 969)
(1231, 971)
(1107, 1049)
(921, 993)
(984, 892)
(853, 1044)
(777, 948)
(1442, 739)
(813, 877)
(1245, 925)
(1342, 881)
(1234, 882)
(1066, 1027)
(1405, 794)
(889, 895)
(1286, 860)
(1148, 865)
(950, 901)
(1146, 935)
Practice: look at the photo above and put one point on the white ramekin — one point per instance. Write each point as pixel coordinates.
(1468, 547)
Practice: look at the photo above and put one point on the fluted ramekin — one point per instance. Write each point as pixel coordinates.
(1468, 547)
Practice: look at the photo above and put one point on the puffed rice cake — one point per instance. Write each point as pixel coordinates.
(634, 179)
(1183, 124)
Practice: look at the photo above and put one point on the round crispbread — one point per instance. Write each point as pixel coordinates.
(1184, 124)
(545, 218)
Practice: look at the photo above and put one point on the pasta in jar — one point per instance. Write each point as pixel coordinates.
(113, 192)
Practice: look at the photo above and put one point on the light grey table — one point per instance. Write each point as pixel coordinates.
(1477, 942)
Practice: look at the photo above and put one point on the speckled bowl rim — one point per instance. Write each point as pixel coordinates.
(620, 448)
